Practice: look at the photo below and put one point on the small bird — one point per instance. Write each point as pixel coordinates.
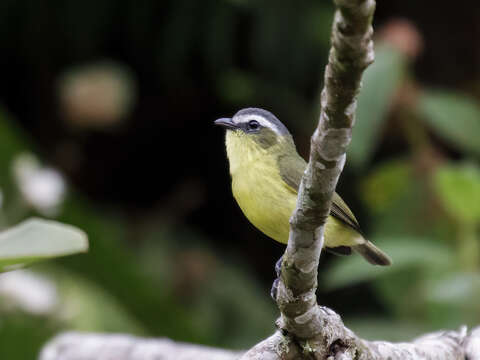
(266, 171)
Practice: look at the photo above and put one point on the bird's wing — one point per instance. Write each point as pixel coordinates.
(291, 171)
(340, 250)
(341, 211)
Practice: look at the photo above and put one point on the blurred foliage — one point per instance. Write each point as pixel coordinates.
(428, 255)
(109, 89)
(379, 84)
(386, 185)
(454, 117)
(458, 188)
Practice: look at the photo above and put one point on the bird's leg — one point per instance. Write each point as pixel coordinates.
(278, 271)
(278, 266)
(273, 290)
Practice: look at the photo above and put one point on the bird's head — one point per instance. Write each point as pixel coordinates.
(254, 132)
(255, 125)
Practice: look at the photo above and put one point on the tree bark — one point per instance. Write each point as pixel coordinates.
(91, 346)
(443, 345)
(458, 345)
(350, 54)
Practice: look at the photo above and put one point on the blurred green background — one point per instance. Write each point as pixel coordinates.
(106, 111)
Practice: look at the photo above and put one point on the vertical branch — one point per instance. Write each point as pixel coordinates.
(350, 54)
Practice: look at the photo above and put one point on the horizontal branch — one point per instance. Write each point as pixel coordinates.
(445, 345)
(91, 346)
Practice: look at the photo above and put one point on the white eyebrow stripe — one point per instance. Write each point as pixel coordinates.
(261, 120)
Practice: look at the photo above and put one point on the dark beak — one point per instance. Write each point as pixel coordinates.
(226, 123)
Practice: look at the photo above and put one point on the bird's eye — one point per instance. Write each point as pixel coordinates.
(253, 125)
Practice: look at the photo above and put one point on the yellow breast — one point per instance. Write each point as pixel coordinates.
(265, 199)
(258, 188)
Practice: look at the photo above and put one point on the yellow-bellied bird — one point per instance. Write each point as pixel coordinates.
(266, 171)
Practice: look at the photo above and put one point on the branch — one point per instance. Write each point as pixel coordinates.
(91, 346)
(448, 345)
(445, 345)
(351, 53)
(472, 345)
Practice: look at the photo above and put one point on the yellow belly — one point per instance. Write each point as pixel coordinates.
(268, 202)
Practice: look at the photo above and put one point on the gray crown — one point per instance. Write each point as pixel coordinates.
(267, 115)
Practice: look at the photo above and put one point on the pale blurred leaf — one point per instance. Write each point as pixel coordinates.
(405, 252)
(36, 239)
(380, 82)
(456, 287)
(458, 187)
(452, 299)
(454, 117)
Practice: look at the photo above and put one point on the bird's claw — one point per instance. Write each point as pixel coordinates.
(278, 271)
(278, 266)
(273, 291)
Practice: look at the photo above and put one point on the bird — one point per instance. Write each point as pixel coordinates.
(266, 171)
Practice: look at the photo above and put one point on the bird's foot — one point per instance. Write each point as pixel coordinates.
(278, 267)
(278, 271)
(273, 291)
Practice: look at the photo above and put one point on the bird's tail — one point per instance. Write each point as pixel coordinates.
(372, 254)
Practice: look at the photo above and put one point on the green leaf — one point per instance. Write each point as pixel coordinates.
(380, 82)
(386, 184)
(453, 117)
(405, 252)
(458, 188)
(36, 239)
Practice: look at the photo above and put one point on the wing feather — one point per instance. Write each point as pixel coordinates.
(291, 171)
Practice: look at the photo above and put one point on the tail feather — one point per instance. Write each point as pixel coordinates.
(372, 254)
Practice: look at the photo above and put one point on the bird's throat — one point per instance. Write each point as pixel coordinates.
(243, 150)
